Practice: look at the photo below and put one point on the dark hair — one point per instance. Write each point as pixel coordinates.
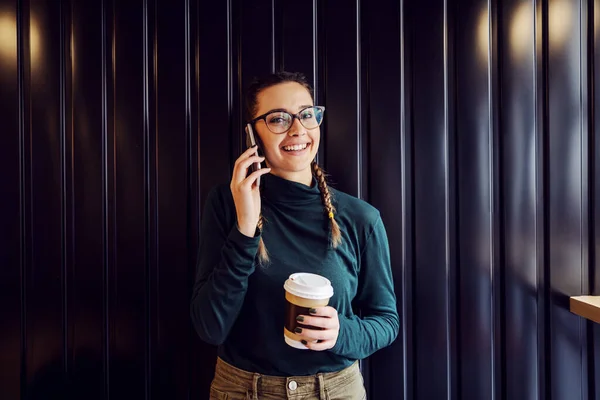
(259, 84)
(254, 89)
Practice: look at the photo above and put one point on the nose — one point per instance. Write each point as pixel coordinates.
(297, 129)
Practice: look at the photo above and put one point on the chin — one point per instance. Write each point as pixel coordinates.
(292, 169)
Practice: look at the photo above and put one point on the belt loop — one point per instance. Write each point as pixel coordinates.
(321, 387)
(255, 386)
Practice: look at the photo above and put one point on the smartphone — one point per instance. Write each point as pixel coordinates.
(250, 142)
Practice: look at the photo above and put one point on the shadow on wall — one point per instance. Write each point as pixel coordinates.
(127, 377)
(49, 382)
(86, 381)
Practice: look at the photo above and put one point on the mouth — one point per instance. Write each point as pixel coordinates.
(296, 147)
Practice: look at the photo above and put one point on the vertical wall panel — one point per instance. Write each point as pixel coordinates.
(192, 94)
(407, 228)
(595, 185)
(256, 32)
(541, 178)
(119, 117)
(216, 70)
(170, 371)
(10, 286)
(45, 295)
(428, 132)
(215, 156)
(127, 362)
(85, 148)
(298, 37)
(385, 176)
(150, 150)
(565, 201)
(495, 152)
(257, 57)
(474, 224)
(341, 137)
(25, 190)
(518, 168)
(108, 46)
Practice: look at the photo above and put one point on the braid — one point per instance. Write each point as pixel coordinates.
(336, 236)
(263, 254)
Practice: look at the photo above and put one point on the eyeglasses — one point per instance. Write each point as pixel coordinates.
(281, 121)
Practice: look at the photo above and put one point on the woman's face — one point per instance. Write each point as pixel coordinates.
(285, 161)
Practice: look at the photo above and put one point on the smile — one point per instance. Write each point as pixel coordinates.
(296, 147)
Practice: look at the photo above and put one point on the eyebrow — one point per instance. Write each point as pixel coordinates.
(302, 107)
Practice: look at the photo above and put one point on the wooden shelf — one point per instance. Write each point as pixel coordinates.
(586, 306)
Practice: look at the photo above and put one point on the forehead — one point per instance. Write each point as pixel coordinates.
(289, 95)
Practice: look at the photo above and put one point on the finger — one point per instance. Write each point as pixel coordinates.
(321, 345)
(244, 164)
(244, 156)
(247, 153)
(241, 169)
(326, 334)
(320, 322)
(251, 179)
(251, 151)
(327, 311)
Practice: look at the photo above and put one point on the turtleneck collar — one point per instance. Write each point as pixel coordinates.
(280, 190)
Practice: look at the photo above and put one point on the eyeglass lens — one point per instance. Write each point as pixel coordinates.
(281, 121)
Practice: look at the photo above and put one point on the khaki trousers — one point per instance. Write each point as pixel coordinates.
(231, 383)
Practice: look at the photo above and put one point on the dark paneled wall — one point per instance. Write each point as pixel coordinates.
(470, 124)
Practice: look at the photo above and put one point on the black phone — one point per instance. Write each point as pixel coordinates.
(250, 142)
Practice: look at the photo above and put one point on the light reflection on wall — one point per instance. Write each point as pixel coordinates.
(596, 15)
(8, 38)
(521, 31)
(560, 16)
(483, 34)
(522, 23)
(72, 53)
(34, 42)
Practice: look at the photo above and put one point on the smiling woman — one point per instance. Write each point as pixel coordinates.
(256, 235)
(289, 141)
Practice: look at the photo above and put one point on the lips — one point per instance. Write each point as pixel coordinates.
(295, 147)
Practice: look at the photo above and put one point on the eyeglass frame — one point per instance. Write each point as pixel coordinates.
(294, 116)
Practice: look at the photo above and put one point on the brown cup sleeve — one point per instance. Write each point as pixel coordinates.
(291, 312)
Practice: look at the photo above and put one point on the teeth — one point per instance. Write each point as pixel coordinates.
(296, 147)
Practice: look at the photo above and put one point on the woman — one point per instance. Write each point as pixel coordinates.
(255, 235)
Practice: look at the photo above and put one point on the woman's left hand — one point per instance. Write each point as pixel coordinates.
(323, 317)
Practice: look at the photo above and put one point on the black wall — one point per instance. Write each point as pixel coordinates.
(470, 124)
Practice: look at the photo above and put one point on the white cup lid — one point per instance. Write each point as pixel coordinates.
(309, 286)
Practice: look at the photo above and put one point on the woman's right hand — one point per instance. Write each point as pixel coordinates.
(246, 192)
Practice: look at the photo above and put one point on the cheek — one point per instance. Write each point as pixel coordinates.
(271, 148)
(316, 141)
(268, 144)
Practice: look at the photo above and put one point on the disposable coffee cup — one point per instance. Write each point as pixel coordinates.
(303, 291)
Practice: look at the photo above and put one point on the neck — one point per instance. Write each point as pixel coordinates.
(304, 177)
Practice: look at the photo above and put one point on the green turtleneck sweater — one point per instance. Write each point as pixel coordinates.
(239, 305)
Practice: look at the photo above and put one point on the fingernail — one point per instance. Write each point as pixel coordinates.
(312, 311)
(300, 318)
(304, 342)
(298, 330)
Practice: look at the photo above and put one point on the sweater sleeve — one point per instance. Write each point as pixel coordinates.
(225, 261)
(378, 323)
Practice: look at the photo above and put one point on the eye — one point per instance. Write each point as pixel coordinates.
(278, 119)
(307, 114)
